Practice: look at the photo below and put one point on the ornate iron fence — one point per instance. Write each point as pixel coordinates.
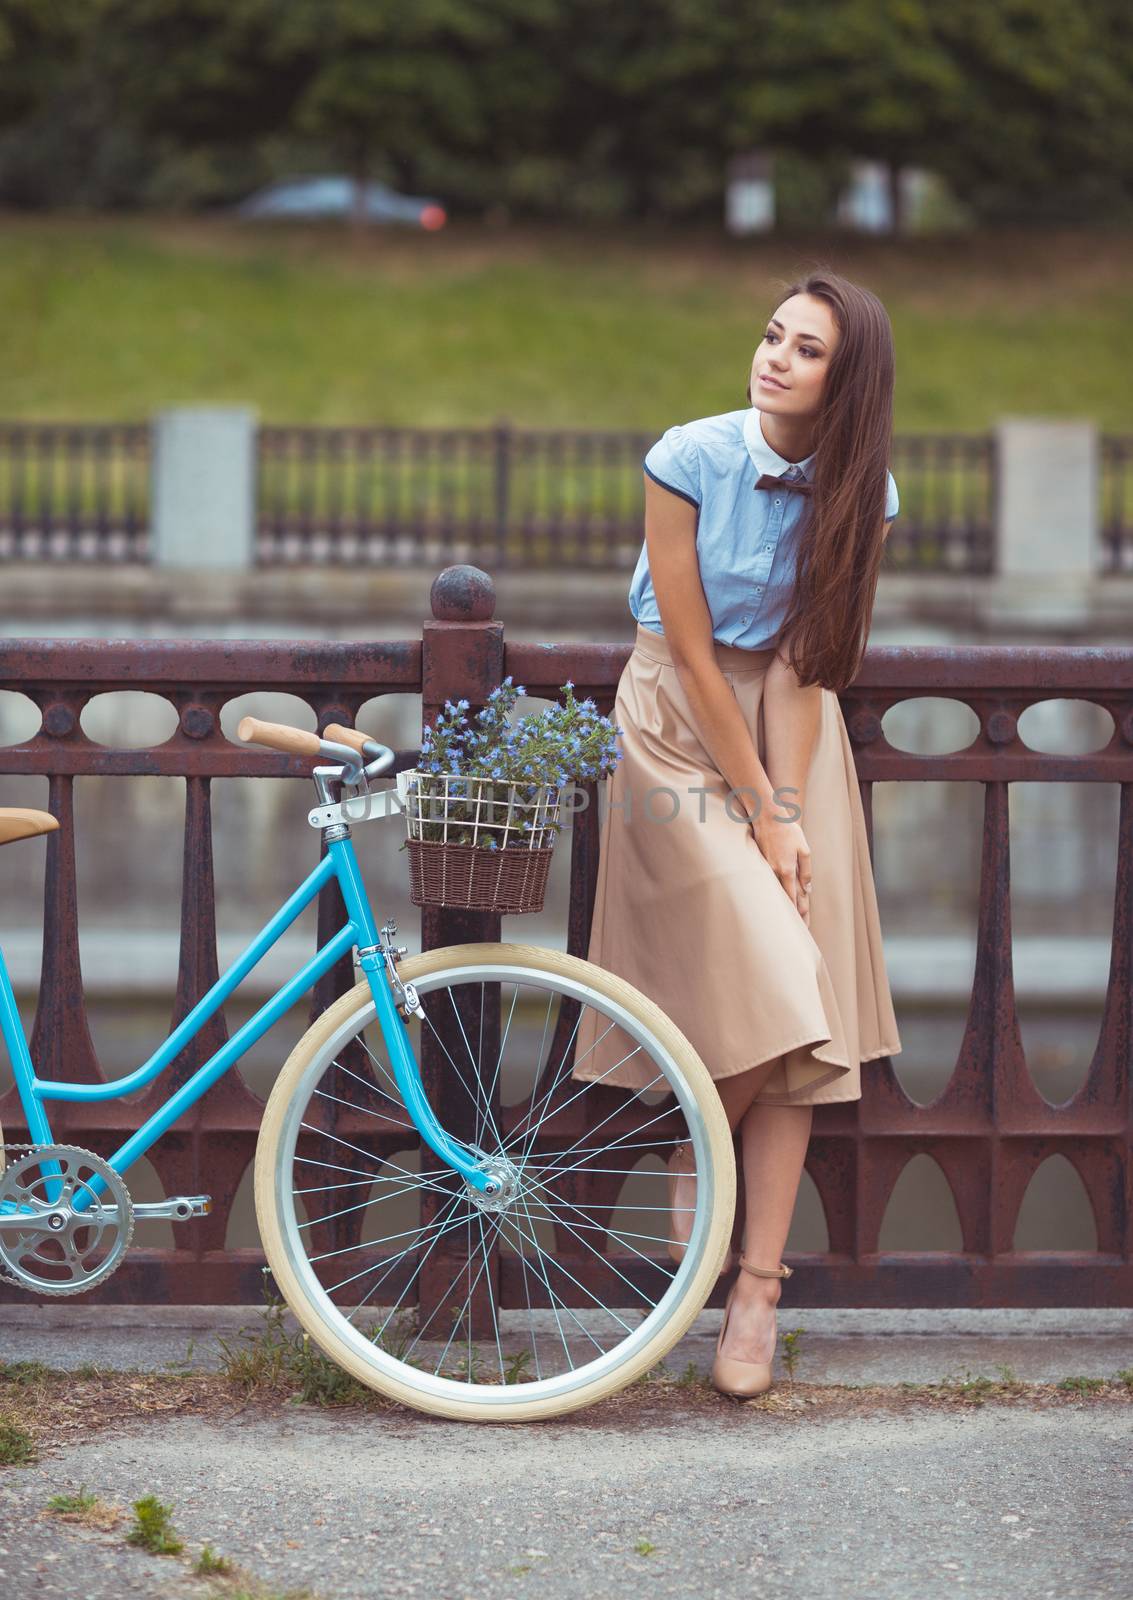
(74, 492)
(989, 1130)
(508, 497)
(948, 485)
(502, 497)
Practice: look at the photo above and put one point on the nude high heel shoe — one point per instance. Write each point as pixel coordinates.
(744, 1379)
(682, 1199)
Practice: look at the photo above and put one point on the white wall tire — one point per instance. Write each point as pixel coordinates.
(690, 1285)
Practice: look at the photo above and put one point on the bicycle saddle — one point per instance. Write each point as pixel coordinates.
(19, 822)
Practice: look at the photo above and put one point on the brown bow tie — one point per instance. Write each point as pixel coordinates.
(800, 485)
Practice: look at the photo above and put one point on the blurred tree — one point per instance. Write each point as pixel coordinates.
(37, 40)
(60, 135)
(393, 84)
(383, 87)
(1014, 98)
(574, 107)
(204, 71)
(1050, 123)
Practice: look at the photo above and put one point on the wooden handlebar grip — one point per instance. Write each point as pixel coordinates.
(350, 737)
(277, 736)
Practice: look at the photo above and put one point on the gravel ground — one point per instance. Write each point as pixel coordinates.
(734, 1502)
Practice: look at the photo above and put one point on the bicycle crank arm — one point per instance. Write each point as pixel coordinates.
(179, 1208)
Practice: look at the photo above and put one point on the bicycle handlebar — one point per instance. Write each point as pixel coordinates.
(349, 736)
(338, 744)
(278, 736)
(356, 740)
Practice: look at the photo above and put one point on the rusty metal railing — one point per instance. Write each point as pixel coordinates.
(989, 1130)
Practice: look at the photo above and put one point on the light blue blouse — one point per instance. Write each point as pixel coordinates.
(746, 538)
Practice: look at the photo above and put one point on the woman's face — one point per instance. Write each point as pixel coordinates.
(790, 365)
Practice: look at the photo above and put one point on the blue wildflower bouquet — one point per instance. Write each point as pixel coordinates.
(497, 784)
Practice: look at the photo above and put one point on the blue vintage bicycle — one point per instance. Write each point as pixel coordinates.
(387, 1232)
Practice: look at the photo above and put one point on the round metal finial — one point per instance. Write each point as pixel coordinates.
(462, 594)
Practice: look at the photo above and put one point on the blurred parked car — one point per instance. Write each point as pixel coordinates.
(336, 196)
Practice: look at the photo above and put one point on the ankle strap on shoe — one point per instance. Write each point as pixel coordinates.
(781, 1271)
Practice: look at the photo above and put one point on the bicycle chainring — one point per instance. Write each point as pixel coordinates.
(77, 1231)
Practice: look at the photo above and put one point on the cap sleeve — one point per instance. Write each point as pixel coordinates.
(674, 464)
(892, 500)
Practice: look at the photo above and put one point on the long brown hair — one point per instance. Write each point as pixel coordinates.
(841, 543)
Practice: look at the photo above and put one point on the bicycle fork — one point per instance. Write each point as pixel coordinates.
(377, 959)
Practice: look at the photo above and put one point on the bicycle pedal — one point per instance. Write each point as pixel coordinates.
(178, 1208)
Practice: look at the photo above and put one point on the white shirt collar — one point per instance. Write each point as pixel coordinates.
(766, 459)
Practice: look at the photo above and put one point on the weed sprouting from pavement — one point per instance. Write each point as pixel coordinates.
(72, 1504)
(152, 1529)
(209, 1562)
(17, 1447)
(23, 1374)
(790, 1351)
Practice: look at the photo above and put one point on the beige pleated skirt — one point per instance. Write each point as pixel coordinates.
(690, 912)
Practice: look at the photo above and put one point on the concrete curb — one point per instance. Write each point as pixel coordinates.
(837, 1346)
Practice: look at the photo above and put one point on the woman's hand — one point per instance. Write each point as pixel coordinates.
(785, 848)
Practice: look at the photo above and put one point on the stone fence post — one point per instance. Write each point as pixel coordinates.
(203, 489)
(1048, 522)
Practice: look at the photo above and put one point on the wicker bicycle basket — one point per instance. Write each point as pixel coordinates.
(480, 844)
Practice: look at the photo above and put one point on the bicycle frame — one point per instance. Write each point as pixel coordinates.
(341, 863)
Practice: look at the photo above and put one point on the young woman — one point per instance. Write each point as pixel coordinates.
(734, 881)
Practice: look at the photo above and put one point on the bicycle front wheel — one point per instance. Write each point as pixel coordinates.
(559, 1291)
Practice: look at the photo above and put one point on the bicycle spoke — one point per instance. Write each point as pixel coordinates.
(530, 1309)
(600, 1150)
(536, 1075)
(491, 1298)
(589, 1292)
(416, 1273)
(329, 1216)
(613, 1230)
(542, 1256)
(585, 1088)
(558, 1078)
(467, 1301)
(366, 1244)
(391, 1264)
(366, 1111)
(384, 1161)
(476, 1095)
(571, 1148)
(489, 1119)
(571, 1228)
(481, 1124)
(355, 1183)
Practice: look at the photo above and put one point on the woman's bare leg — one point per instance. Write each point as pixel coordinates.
(775, 1139)
(774, 1142)
(737, 1092)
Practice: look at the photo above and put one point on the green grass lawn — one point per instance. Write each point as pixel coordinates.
(110, 319)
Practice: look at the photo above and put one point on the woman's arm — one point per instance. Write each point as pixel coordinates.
(670, 539)
(791, 717)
